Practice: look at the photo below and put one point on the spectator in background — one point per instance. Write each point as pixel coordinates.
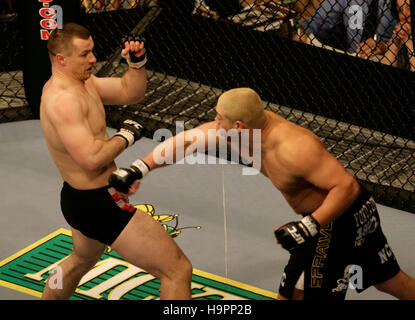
(350, 25)
(402, 39)
(218, 8)
(306, 8)
(110, 5)
(259, 15)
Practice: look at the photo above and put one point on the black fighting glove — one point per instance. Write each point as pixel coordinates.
(294, 235)
(132, 60)
(123, 178)
(130, 131)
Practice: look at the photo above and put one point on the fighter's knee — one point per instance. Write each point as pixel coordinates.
(185, 267)
(84, 264)
(181, 269)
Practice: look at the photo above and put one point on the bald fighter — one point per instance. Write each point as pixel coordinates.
(73, 119)
(340, 229)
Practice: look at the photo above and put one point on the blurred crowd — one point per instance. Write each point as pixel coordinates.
(379, 30)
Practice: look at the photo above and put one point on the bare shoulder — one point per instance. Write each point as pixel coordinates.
(60, 102)
(299, 145)
(207, 126)
(94, 81)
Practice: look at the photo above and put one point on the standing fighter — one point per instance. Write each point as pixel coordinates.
(340, 230)
(73, 119)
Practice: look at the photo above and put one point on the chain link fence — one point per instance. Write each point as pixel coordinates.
(352, 92)
(343, 69)
(13, 104)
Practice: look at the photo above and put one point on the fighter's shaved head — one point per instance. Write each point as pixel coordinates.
(243, 104)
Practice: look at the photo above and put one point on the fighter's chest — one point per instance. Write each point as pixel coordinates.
(281, 177)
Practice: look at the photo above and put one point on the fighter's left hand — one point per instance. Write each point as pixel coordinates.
(134, 48)
(134, 52)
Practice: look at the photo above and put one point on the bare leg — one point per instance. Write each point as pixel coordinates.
(85, 254)
(145, 243)
(297, 295)
(400, 286)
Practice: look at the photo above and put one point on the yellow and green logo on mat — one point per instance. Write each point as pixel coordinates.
(112, 278)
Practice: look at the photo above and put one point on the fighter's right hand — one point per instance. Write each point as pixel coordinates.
(123, 178)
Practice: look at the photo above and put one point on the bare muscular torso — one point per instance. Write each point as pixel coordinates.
(278, 135)
(94, 115)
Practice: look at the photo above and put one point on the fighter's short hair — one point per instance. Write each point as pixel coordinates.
(60, 39)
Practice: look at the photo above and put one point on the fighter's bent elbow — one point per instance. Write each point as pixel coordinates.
(91, 164)
(133, 95)
(353, 187)
(137, 96)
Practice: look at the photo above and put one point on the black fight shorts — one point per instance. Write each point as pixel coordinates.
(350, 252)
(99, 214)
